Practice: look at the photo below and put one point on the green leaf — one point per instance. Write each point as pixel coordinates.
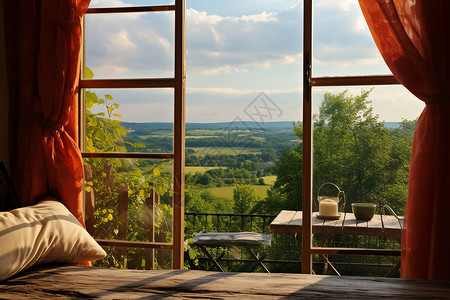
(192, 254)
(101, 101)
(109, 97)
(91, 99)
(102, 114)
(117, 115)
(156, 172)
(122, 130)
(88, 74)
(87, 189)
(160, 190)
(116, 105)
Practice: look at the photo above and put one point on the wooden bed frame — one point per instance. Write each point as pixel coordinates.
(89, 282)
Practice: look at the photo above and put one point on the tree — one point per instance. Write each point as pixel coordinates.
(357, 152)
(245, 198)
(286, 192)
(351, 149)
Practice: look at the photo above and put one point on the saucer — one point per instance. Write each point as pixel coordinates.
(328, 217)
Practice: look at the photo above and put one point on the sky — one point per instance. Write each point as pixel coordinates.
(243, 59)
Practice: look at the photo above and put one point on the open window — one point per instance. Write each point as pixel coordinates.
(134, 194)
(341, 63)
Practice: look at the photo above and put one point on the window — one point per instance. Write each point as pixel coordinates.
(339, 55)
(123, 179)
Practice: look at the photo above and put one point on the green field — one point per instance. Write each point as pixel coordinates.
(227, 191)
(270, 180)
(200, 136)
(202, 151)
(192, 170)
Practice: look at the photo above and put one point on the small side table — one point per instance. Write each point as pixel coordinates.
(248, 240)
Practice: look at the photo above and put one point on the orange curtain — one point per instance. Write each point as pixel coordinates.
(413, 37)
(43, 45)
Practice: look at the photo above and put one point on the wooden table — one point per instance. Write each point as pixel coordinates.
(289, 221)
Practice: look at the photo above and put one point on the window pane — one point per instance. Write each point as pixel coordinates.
(235, 51)
(129, 120)
(363, 141)
(342, 43)
(130, 45)
(243, 94)
(129, 199)
(115, 3)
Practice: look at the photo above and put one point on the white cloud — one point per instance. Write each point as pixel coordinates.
(263, 17)
(238, 43)
(341, 37)
(344, 5)
(221, 69)
(231, 91)
(138, 45)
(235, 50)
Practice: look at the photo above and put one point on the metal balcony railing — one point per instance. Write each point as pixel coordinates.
(283, 255)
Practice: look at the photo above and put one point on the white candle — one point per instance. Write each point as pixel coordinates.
(328, 208)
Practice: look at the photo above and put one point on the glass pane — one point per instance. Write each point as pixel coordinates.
(362, 143)
(342, 43)
(243, 94)
(129, 120)
(235, 51)
(135, 258)
(114, 3)
(130, 45)
(129, 199)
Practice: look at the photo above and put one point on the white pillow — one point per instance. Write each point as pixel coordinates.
(43, 233)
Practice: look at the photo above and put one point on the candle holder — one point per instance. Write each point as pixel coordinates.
(329, 204)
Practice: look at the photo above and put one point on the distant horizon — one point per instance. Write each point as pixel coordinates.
(223, 122)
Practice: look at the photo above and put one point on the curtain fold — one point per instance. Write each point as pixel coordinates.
(43, 46)
(413, 37)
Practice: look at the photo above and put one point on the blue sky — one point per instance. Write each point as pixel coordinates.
(237, 49)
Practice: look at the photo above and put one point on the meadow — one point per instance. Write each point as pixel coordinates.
(227, 191)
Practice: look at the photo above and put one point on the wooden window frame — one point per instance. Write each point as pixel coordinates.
(178, 83)
(308, 83)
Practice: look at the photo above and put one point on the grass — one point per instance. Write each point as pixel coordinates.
(227, 191)
(192, 170)
(202, 151)
(203, 132)
(270, 180)
(169, 135)
(200, 136)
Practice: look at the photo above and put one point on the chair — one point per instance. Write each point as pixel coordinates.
(400, 219)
